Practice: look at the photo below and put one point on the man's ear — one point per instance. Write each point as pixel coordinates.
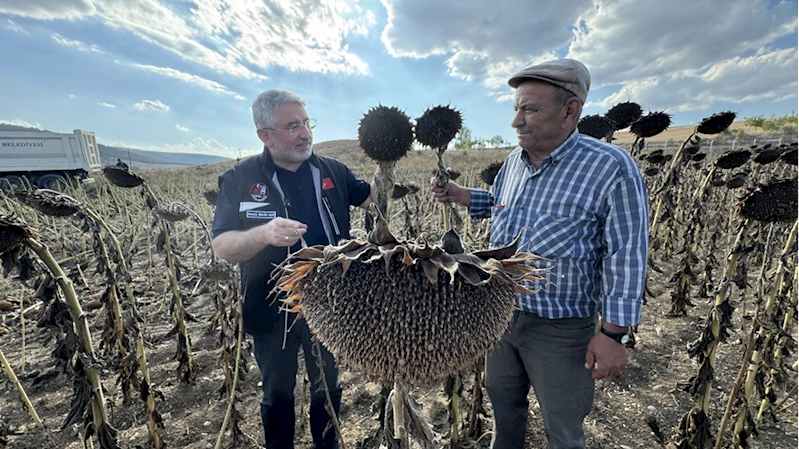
(265, 137)
(573, 109)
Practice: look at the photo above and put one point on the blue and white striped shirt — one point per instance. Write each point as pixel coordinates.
(586, 211)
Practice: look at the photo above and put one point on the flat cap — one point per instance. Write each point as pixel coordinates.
(566, 73)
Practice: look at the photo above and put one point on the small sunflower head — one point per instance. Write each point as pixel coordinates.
(489, 174)
(736, 181)
(12, 233)
(385, 134)
(50, 202)
(733, 159)
(789, 157)
(716, 123)
(651, 171)
(651, 124)
(624, 114)
(595, 126)
(438, 126)
(122, 177)
(767, 156)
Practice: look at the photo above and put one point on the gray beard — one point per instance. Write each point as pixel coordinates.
(292, 156)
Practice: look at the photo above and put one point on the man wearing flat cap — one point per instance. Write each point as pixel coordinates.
(581, 204)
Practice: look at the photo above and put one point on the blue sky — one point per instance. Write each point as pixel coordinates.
(180, 75)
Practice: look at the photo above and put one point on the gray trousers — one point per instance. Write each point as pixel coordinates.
(548, 355)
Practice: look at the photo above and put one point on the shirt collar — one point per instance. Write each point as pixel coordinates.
(565, 148)
(560, 152)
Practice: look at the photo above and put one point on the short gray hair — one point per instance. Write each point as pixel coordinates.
(265, 105)
(562, 95)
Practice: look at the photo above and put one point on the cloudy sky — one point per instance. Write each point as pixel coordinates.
(180, 75)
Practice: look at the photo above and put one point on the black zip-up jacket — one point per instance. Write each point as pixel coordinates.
(250, 195)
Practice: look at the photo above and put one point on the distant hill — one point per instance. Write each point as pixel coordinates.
(140, 159)
(154, 159)
(680, 133)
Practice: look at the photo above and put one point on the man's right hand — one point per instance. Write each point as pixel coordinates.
(457, 194)
(283, 231)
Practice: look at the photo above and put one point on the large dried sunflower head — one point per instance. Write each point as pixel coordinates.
(596, 126)
(774, 202)
(624, 114)
(489, 173)
(716, 123)
(122, 177)
(50, 202)
(651, 124)
(385, 134)
(406, 312)
(438, 126)
(733, 159)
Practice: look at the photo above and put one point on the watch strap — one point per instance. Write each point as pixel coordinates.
(618, 336)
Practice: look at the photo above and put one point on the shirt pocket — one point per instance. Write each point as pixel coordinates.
(552, 237)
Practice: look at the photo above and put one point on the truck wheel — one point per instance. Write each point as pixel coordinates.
(10, 183)
(52, 182)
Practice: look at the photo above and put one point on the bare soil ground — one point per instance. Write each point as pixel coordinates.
(637, 409)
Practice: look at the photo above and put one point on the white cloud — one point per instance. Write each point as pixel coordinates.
(71, 96)
(303, 35)
(770, 76)
(230, 36)
(674, 38)
(154, 105)
(48, 9)
(207, 84)
(520, 29)
(82, 46)
(182, 129)
(19, 122)
(635, 47)
(486, 45)
(15, 27)
(198, 145)
(107, 105)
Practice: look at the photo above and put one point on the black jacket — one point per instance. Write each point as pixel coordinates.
(250, 195)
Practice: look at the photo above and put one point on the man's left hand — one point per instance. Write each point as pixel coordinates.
(605, 356)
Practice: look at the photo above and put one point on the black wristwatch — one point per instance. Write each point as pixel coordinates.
(620, 337)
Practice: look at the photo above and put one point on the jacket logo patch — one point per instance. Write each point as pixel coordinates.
(259, 191)
(261, 214)
(327, 184)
